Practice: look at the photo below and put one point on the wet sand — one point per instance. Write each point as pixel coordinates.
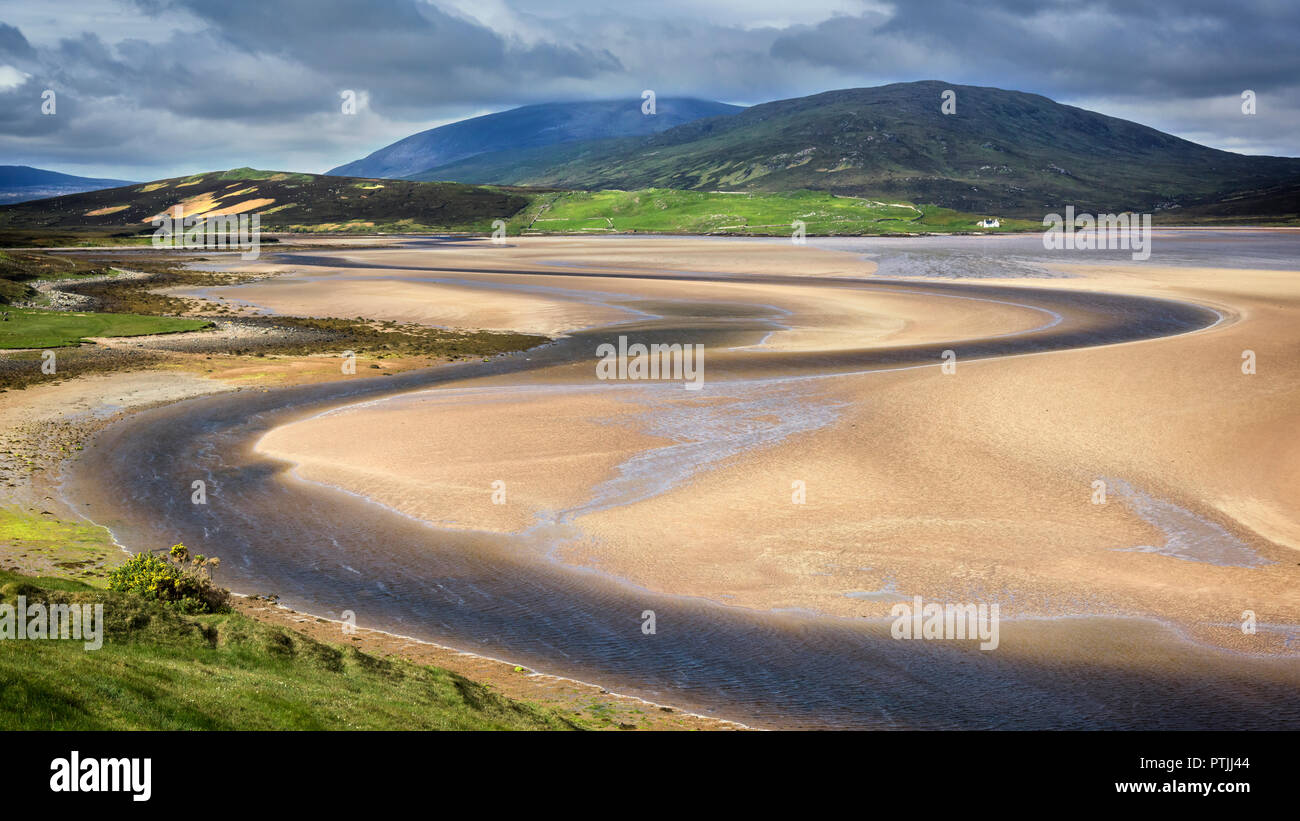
(487, 287)
(972, 486)
(965, 487)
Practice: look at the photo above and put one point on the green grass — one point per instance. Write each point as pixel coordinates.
(159, 670)
(43, 543)
(139, 297)
(19, 268)
(660, 210)
(34, 328)
(247, 173)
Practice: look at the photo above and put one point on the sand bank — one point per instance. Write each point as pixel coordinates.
(972, 486)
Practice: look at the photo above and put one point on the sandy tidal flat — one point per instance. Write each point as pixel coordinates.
(843, 494)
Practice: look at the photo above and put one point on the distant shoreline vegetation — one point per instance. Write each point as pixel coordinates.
(741, 213)
(295, 203)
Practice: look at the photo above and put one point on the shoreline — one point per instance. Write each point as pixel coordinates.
(555, 691)
(512, 679)
(307, 238)
(72, 410)
(1224, 318)
(1184, 632)
(1084, 286)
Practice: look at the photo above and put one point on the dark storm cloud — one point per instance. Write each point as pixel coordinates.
(147, 87)
(1192, 49)
(13, 45)
(405, 54)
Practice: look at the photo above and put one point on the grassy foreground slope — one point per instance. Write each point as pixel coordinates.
(661, 210)
(160, 670)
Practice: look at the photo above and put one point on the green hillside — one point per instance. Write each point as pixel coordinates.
(659, 210)
(529, 126)
(1002, 152)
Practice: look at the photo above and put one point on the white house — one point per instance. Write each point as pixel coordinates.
(991, 222)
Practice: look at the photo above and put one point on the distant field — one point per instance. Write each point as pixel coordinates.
(660, 210)
(33, 328)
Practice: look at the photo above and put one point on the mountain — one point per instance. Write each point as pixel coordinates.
(285, 201)
(529, 127)
(1002, 152)
(20, 183)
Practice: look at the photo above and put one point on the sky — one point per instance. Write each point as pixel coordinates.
(146, 89)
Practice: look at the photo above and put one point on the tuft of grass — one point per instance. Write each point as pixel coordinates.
(11, 581)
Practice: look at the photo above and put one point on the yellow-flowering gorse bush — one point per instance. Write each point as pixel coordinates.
(179, 579)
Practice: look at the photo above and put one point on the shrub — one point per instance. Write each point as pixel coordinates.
(170, 580)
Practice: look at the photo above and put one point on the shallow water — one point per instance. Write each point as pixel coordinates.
(324, 551)
(1023, 255)
(1187, 536)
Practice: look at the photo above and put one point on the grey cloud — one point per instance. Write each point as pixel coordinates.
(1193, 49)
(13, 45)
(259, 82)
(404, 53)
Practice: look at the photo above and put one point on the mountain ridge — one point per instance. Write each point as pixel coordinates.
(529, 126)
(22, 183)
(1002, 151)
